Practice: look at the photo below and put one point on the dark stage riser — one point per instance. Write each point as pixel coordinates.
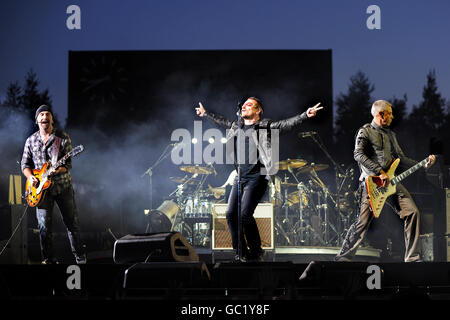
(226, 281)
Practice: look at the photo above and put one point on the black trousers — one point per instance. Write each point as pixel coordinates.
(252, 190)
(69, 212)
(406, 209)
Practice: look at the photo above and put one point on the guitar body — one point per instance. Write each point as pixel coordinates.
(378, 194)
(34, 195)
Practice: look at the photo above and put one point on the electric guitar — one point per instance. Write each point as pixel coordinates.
(35, 195)
(379, 194)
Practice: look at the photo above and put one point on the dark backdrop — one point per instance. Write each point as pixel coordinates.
(124, 105)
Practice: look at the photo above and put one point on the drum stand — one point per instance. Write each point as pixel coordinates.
(179, 221)
(149, 171)
(303, 230)
(326, 224)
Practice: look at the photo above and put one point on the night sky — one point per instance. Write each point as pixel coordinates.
(414, 37)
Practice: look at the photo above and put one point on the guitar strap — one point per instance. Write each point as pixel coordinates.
(55, 150)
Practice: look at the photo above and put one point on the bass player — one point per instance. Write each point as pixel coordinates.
(376, 147)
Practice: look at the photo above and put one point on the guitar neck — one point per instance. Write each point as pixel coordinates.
(58, 164)
(411, 170)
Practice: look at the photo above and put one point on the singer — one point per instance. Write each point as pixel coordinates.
(50, 144)
(256, 156)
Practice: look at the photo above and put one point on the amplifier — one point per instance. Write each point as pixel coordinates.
(221, 238)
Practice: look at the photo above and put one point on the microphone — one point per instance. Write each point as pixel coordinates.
(239, 104)
(306, 134)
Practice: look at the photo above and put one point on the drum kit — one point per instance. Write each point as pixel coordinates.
(306, 213)
(189, 208)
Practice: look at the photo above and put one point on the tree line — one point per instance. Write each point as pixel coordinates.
(421, 131)
(25, 99)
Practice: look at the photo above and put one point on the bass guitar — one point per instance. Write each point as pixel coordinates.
(35, 194)
(378, 194)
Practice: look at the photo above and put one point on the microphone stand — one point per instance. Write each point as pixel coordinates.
(300, 204)
(238, 157)
(149, 171)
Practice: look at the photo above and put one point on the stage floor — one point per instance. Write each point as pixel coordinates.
(269, 281)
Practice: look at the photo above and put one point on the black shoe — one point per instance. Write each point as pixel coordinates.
(257, 256)
(49, 261)
(417, 260)
(81, 260)
(342, 259)
(239, 259)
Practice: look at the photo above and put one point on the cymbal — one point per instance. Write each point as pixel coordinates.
(177, 179)
(197, 169)
(292, 163)
(288, 184)
(315, 166)
(182, 180)
(216, 192)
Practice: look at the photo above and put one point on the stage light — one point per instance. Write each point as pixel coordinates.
(194, 140)
(223, 140)
(211, 140)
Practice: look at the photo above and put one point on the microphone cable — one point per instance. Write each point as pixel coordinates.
(15, 230)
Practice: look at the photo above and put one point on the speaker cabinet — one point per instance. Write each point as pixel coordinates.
(221, 238)
(149, 247)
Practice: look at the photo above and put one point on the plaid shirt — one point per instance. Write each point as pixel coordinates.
(36, 154)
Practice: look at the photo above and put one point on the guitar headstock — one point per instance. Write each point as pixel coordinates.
(77, 150)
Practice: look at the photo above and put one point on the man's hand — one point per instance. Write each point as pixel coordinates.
(200, 110)
(384, 178)
(59, 170)
(431, 161)
(311, 112)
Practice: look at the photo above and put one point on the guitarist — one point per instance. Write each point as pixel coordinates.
(49, 144)
(376, 147)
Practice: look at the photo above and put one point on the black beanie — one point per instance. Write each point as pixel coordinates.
(41, 109)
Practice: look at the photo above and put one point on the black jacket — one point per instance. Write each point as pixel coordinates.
(266, 130)
(373, 150)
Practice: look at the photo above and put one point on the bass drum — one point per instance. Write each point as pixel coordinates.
(159, 220)
(169, 208)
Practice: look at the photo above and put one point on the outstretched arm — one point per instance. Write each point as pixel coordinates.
(217, 119)
(290, 123)
(311, 112)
